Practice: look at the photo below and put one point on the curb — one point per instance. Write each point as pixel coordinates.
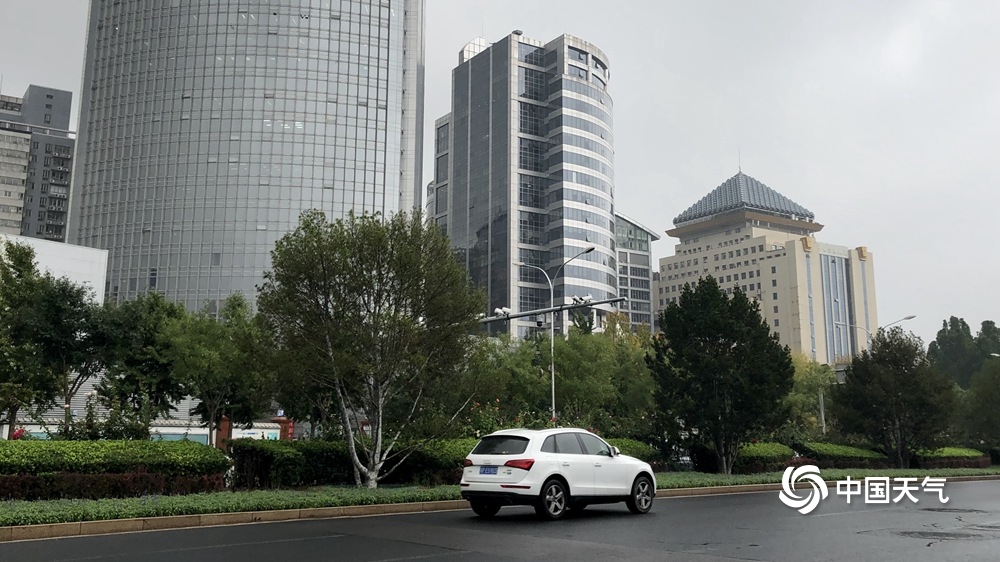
(113, 526)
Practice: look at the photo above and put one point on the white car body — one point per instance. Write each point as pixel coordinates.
(553, 470)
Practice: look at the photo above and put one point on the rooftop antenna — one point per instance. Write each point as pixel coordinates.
(739, 160)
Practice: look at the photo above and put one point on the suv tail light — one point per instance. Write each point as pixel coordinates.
(467, 462)
(523, 464)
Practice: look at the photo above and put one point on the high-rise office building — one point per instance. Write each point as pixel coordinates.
(523, 173)
(36, 155)
(819, 298)
(207, 127)
(635, 269)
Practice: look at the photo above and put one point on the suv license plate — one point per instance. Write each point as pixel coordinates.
(487, 470)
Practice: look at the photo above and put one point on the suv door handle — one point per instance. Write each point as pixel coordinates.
(597, 464)
(565, 464)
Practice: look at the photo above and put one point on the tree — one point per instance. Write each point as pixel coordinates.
(894, 397)
(66, 329)
(954, 351)
(810, 379)
(721, 375)
(26, 382)
(139, 370)
(215, 360)
(980, 414)
(382, 310)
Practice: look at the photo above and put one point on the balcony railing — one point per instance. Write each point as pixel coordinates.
(54, 181)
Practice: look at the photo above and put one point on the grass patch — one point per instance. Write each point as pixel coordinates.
(670, 480)
(62, 511)
(953, 452)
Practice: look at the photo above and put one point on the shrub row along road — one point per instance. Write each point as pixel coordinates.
(701, 529)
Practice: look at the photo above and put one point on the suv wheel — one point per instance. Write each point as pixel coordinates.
(641, 498)
(485, 509)
(553, 501)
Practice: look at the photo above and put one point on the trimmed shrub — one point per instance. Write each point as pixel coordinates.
(266, 464)
(325, 462)
(437, 462)
(828, 455)
(639, 450)
(762, 457)
(169, 458)
(286, 464)
(55, 486)
(951, 457)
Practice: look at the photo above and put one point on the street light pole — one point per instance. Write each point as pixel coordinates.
(908, 317)
(552, 321)
(822, 410)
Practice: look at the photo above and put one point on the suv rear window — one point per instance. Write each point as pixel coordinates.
(501, 445)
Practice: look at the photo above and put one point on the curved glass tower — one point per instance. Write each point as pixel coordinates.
(524, 173)
(208, 126)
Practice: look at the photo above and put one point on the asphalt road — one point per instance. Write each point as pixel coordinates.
(699, 529)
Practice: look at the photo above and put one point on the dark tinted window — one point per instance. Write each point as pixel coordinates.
(594, 446)
(568, 444)
(501, 445)
(549, 446)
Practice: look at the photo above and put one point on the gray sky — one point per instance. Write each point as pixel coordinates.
(880, 117)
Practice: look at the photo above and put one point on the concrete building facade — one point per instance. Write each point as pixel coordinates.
(208, 127)
(818, 297)
(635, 269)
(524, 174)
(42, 114)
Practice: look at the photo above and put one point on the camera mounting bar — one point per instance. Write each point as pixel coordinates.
(560, 308)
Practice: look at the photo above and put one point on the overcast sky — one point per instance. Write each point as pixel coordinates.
(882, 118)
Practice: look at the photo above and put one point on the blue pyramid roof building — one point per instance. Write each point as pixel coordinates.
(743, 192)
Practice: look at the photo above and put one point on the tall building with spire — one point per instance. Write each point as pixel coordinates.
(207, 127)
(819, 298)
(524, 174)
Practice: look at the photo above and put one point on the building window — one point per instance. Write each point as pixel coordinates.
(774, 269)
(774, 282)
(775, 309)
(48, 118)
(775, 296)
(216, 258)
(775, 322)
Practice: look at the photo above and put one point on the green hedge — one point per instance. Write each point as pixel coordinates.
(762, 457)
(951, 457)
(829, 455)
(287, 464)
(67, 485)
(637, 449)
(170, 458)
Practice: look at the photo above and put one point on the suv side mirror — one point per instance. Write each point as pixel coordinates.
(615, 452)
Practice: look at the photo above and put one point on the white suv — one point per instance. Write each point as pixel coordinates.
(553, 470)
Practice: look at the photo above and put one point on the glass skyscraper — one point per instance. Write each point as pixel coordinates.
(208, 126)
(524, 173)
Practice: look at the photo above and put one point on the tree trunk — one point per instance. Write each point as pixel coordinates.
(12, 421)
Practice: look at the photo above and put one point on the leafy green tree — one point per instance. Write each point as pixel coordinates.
(988, 341)
(980, 413)
(67, 331)
(27, 384)
(384, 311)
(139, 369)
(583, 320)
(215, 359)
(721, 375)
(894, 396)
(811, 378)
(954, 351)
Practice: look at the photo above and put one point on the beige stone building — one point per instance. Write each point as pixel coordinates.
(819, 298)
